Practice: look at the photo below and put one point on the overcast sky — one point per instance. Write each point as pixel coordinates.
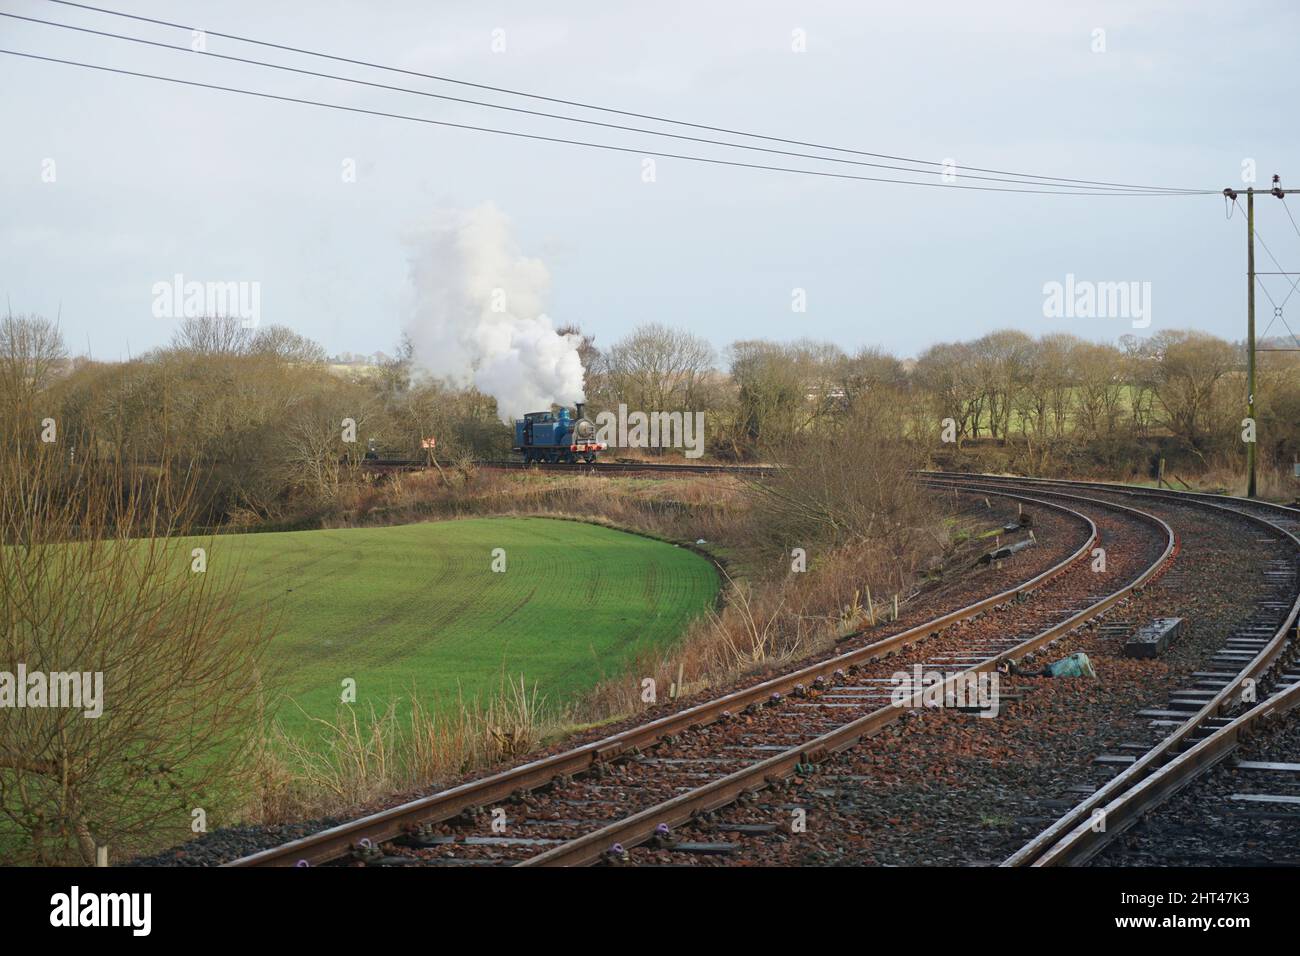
(151, 180)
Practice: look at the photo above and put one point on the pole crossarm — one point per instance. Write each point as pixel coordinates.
(1279, 193)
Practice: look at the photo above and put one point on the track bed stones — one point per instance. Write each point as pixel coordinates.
(969, 792)
(229, 843)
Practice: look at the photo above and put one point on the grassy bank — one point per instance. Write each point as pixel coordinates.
(419, 609)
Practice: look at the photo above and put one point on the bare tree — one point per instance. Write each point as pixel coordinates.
(395, 373)
(657, 368)
(153, 663)
(31, 352)
(1045, 392)
(771, 397)
(946, 373)
(1188, 384)
(323, 438)
(286, 345)
(213, 335)
(848, 484)
(1001, 366)
(1100, 371)
(1140, 370)
(869, 371)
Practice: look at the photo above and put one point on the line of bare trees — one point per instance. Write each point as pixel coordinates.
(1058, 393)
(1185, 389)
(266, 411)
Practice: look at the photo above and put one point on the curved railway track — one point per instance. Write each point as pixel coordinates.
(1263, 689)
(597, 801)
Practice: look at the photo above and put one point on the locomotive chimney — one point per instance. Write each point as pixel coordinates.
(578, 409)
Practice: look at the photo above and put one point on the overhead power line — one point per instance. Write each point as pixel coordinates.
(558, 116)
(628, 113)
(557, 139)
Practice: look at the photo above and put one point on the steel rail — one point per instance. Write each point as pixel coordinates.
(610, 467)
(1084, 841)
(641, 826)
(387, 824)
(1159, 773)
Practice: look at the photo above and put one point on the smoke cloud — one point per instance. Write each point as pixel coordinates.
(476, 314)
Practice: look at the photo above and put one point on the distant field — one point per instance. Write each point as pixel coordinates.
(419, 606)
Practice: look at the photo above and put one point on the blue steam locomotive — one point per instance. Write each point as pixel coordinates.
(557, 437)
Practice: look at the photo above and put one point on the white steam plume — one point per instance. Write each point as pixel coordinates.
(476, 315)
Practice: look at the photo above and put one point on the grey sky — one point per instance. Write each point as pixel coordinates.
(154, 180)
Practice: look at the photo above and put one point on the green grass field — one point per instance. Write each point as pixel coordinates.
(418, 606)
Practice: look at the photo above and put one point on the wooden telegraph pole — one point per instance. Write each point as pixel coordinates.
(1232, 194)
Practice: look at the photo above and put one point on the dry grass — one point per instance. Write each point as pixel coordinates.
(360, 755)
(763, 627)
(1227, 474)
(1274, 482)
(682, 508)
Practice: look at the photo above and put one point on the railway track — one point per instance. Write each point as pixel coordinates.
(1251, 685)
(602, 467)
(598, 801)
(1243, 812)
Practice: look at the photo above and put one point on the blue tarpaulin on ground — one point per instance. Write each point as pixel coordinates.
(1076, 665)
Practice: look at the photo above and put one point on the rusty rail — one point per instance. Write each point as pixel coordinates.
(1161, 772)
(1084, 841)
